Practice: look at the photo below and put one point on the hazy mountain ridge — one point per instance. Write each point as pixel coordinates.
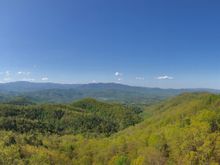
(25, 86)
(52, 92)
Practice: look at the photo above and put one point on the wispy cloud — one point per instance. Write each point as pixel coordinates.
(6, 76)
(139, 78)
(7, 73)
(118, 74)
(165, 77)
(7, 79)
(44, 78)
(23, 73)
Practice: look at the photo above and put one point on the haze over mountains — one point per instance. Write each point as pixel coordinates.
(54, 92)
(168, 53)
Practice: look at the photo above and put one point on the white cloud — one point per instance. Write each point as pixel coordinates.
(120, 79)
(118, 74)
(44, 78)
(94, 81)
(139, 78)
(24, 73)
(165, 77)
(6, 75)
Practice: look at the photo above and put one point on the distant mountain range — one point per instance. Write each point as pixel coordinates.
(24, 86)
(53, 92)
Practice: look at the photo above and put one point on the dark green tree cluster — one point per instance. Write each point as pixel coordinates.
(87, 116)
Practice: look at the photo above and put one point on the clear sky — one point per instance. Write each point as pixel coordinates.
(155, 43)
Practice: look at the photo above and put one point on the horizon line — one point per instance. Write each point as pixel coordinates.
(58, 83)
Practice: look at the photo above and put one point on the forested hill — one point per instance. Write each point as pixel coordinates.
(65, 93)
(86, 116)
(181, 130)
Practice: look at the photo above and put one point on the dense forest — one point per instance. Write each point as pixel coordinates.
(86, 116)
(181, 130)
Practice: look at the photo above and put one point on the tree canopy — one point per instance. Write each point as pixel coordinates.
(182, 130)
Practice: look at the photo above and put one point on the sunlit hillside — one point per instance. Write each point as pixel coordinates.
(182, 130)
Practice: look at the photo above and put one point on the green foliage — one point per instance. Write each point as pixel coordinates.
(183, 130)
(20, 101)
(87, 116)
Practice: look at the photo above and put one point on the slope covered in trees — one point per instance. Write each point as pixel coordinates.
(87, 116)
(182, 130)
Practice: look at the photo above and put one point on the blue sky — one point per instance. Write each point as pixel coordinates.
(155, 43)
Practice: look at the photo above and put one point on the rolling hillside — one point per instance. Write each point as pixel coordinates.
(86, 116)
(181, 130)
